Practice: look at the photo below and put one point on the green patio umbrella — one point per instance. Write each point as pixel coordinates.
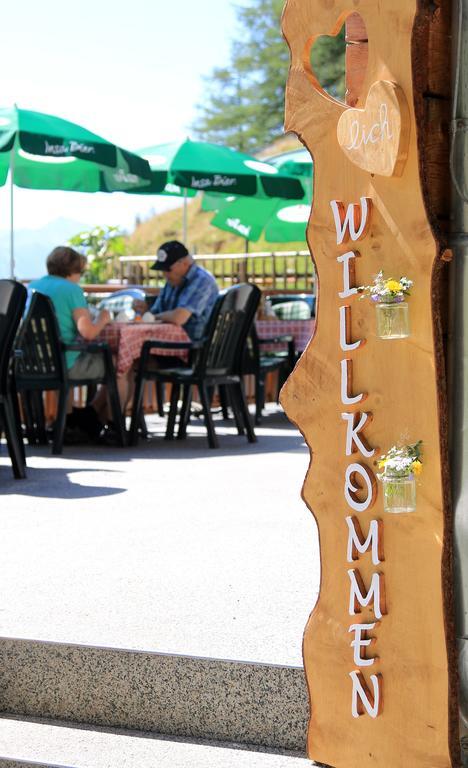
(161, 184)
(279, 221)
(42, 151)
(297, 162)
(202, 166)
(184, 168)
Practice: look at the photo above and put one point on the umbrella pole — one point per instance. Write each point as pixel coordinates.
(12, 223)
(184, 219)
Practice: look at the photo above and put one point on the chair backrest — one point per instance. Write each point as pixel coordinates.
(41, 364)
(281, 298)
(122, 300)
(251, 353)
(12, 300)
(227, 329)
(292, 310)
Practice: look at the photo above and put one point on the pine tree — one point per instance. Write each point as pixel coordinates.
(244, 103)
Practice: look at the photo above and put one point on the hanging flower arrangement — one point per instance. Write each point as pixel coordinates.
(400, 466)
(389, 296)
(387, 290)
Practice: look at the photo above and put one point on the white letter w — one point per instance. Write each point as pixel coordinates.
(352, 224)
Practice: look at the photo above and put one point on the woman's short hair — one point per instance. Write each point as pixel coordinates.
(64, 261)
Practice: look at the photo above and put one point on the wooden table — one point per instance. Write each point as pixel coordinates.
(126, 340)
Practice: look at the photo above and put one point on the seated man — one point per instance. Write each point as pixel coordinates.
(189, 294)
(65, 267)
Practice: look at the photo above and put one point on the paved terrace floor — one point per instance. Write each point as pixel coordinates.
(167, 547)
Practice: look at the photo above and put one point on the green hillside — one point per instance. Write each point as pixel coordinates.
(202, 237)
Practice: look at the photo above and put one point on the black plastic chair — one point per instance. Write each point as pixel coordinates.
(217, 363)
(259, 364)
(41, 367)
(12, 302)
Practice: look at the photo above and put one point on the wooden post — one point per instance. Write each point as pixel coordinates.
(379, 651)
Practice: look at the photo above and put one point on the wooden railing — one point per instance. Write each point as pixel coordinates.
(280, 270)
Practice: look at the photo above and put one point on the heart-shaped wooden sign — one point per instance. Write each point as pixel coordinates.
(376, 138)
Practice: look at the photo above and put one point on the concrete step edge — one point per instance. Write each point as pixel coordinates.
(15, 762)
(48, 744)
(186, 696)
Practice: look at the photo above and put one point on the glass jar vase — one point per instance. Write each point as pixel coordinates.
(399, 494)
(392, 320)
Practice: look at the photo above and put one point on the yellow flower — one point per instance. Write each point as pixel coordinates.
(393, 285)
(416, 467)
(382, 463)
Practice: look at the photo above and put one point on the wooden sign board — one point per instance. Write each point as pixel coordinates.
(378, 648)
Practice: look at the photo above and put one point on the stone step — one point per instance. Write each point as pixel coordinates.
(26, 744)
(183, 696)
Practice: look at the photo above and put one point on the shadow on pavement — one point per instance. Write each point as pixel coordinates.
(52, 483)
(194, 447)
(275, 435)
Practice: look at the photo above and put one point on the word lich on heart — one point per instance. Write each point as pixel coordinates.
(378, 131)
(360, 486)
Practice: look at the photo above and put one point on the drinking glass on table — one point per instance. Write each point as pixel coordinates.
(140, 306)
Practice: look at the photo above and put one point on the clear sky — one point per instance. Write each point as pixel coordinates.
(129, 70)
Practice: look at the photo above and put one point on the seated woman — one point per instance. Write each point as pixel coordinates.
(65, 267)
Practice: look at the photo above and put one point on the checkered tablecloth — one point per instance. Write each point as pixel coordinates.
(126, 340)
(302, 330)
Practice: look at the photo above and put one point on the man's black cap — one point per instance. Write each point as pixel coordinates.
(168, 253)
